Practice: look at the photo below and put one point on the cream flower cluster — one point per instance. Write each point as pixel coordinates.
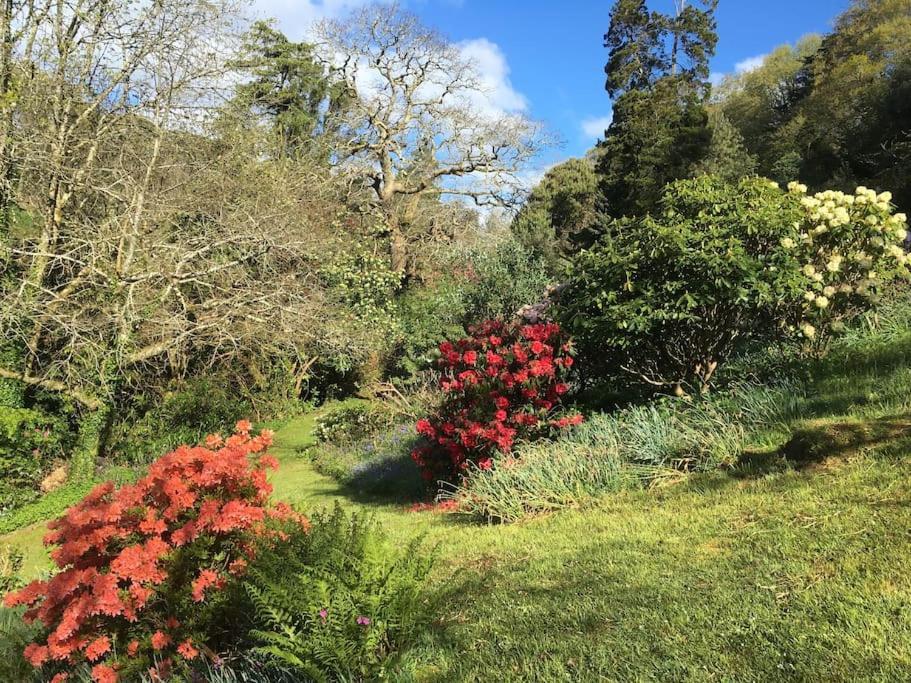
(847, 243)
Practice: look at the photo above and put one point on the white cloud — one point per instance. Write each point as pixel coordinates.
(296, 17)
(493, 72)
(749, 64)
(595, 127)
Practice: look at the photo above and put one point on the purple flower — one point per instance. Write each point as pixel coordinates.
(323, 613)
(363, 621)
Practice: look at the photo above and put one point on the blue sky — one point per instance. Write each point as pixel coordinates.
(547, 56)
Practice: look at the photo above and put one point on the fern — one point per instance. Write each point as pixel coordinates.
(335, 602)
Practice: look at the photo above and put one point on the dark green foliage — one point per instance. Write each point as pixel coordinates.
(656, 137)
(669, 298)
(183, 414)
(30, 441)
(635, 41)
(335, 602)
(560, 215)
(657, 73)
(834, 113)
(727, 155)
(288, 85)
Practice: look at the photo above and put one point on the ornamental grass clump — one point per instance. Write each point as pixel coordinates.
(501, 384)
(146, 570)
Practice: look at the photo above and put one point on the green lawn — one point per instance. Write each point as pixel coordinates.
(771, 572)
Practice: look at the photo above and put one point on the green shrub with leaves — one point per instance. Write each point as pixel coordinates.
(668, 298)
(348, 423)
(366, 285)
(30, 441)
(337, 601)
(184, 413)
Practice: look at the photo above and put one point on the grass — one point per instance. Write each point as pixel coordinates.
(790, 566)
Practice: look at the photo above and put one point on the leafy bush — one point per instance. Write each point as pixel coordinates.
(502, 281)
(185, 413)
(29, 442)
(848, 248)
(480, 284)
(348, 423)
(667, 298)
(502, 383)
(336, 601)
(146, 570)
(626, 450)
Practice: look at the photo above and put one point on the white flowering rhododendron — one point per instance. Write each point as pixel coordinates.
(847, 246)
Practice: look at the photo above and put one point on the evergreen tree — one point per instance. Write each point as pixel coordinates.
(289, 86)
(560, 215)
(727, 156)
(657, 72)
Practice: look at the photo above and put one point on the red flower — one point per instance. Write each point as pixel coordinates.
(133, 648)
(60, 678)
(492, 387)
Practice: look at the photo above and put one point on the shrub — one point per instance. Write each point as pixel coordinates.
(184, 413)
(146, 570)
(667, 298)
(348, 423)
(337, 601)
(848, 247)
(29, 442)
(480, 284)
(500, 384)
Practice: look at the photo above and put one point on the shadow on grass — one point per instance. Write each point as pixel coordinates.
(826, 440)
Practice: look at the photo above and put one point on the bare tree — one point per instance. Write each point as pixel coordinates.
(419, 120)
(155, 245)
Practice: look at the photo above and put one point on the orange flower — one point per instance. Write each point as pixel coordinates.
(102, 673)
(98, 648)
(187, 650)
(160, 640)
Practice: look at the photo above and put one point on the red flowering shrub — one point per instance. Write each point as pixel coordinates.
(141, 566)
(502, 383)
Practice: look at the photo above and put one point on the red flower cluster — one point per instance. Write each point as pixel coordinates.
(130, 558)
(500, 384)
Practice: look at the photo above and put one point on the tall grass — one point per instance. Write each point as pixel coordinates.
(632, 448)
